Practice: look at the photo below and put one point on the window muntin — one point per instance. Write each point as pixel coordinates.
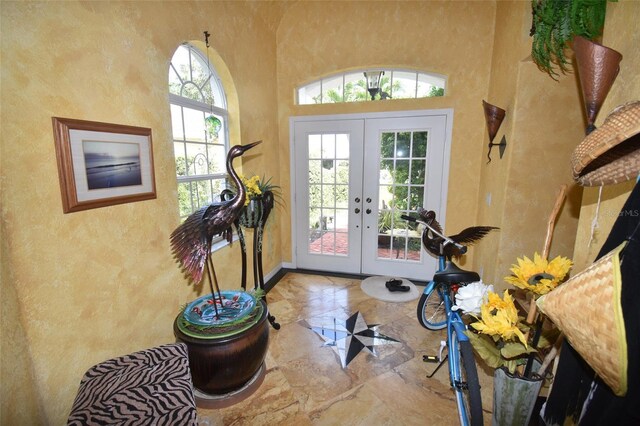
(189, 77)
(199, 127)
(352, 87)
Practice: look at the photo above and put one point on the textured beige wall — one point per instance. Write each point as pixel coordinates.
(74, 286)
(547, 122)
(543, 122)
(621, 34)
(83, 287)
(511, 45)
(450, 38)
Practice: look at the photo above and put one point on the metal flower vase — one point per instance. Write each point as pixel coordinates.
(514, 398)
(252, 213)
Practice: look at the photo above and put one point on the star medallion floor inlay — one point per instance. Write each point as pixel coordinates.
(348, 338)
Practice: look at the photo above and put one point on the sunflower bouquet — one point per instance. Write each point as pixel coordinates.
(499, 335)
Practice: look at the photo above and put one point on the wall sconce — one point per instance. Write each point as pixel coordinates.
(373, 82)
(494, 116)
(598, 67)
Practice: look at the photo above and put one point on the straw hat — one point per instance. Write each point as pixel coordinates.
(611, 153)
(588, 311)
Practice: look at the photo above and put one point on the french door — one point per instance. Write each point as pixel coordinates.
(354, 176)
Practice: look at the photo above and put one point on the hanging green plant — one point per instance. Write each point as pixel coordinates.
(556, 22)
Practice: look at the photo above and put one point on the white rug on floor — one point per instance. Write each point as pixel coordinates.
(375, 287)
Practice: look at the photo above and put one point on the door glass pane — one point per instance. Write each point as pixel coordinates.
(315, 195)
(387, 143)
(400, 197)
(342, 172)
(402, 146)
(419, 148)
(328, 194)
(413, 248)
(385, 173)
(328, 171)
(315, 171)
(329, 147)
(416, 198)
(315, 146)
(401, 190)
(399, 247)
(417, 172)
(401, 172)
(342, 146)
(342, 220)
(342, 196)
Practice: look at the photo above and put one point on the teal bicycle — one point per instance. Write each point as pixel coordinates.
(435, 313)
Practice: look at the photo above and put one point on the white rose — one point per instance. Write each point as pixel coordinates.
(470, 297)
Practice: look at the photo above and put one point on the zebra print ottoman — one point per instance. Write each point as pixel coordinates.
(150, 387)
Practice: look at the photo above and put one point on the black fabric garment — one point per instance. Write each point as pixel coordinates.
(574, 377)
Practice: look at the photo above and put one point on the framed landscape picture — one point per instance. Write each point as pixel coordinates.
(102, 164)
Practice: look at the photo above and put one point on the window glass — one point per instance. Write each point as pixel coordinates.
(332, 90)
(352, 87)
(429, 85)
(404, 85)
(310, 94)
(355, 88)
(200, 136)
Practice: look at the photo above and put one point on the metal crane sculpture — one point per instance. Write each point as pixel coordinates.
(433, 243)
(191, 241)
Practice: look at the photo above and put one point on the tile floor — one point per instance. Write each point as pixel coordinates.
(305, 383)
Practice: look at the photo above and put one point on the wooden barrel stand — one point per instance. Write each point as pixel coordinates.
(226, 370)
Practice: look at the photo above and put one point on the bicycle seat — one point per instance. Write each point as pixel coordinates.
(452, 274)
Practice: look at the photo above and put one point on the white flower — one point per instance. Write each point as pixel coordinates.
(470, 297)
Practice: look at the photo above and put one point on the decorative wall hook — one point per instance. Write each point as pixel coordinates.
(598, 67)
(494, 116)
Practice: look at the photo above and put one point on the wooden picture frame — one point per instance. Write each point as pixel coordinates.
(102, 164)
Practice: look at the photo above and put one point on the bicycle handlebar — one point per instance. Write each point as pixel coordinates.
(447, 240)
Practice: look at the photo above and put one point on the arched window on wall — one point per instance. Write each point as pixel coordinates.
(352, 87)
(199, 120)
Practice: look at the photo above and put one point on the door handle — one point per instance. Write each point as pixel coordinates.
(368, 211)
(357, 200)
(368, 200)
(357, 210)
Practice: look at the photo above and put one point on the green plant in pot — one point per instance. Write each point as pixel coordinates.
(556, 23)
(226, 332)
(260, 197)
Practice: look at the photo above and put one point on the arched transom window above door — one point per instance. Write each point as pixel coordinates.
(352, 86)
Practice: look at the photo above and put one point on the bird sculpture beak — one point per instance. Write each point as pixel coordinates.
(245, 148)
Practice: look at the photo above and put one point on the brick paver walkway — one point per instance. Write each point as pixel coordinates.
(325, 244)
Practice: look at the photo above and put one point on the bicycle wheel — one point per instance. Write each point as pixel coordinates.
(431, 311)
(465, 381)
